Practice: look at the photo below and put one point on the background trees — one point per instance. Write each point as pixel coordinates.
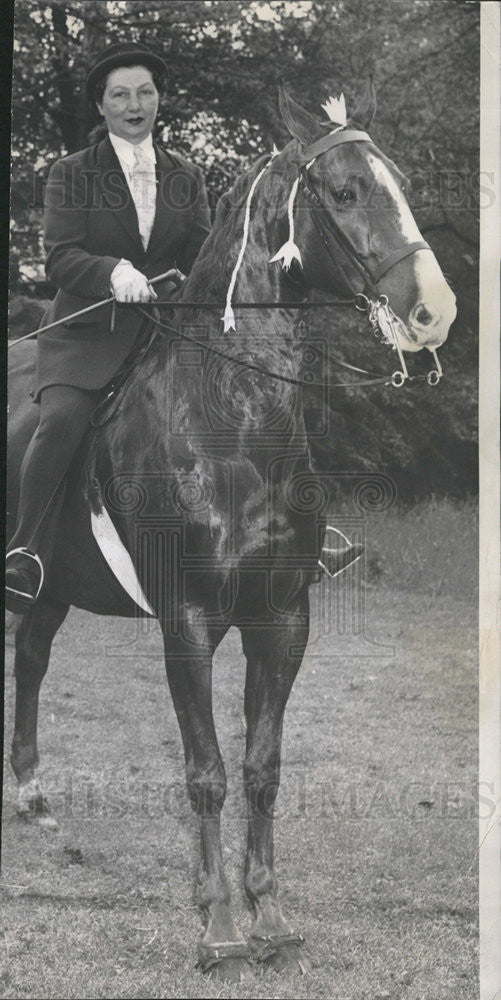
(226, 60)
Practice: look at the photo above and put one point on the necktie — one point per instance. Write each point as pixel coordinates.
(144, 193)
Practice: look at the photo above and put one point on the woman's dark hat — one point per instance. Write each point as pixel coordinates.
(122, 54)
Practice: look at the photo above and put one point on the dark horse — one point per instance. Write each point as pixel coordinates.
(205, 472)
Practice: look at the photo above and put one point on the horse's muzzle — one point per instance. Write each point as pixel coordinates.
(430, 325)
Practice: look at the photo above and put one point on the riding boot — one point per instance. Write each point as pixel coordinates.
(26, 567)
(64, 416)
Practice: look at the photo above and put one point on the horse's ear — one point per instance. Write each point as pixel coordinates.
(298, 121)
(364, 113)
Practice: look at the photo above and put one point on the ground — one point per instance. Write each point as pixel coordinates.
(376, 845)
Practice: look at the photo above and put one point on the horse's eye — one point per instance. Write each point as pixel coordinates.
(345, 195)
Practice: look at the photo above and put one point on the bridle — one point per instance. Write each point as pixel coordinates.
(381, 317)
(325, 223)
(375, 306)
(379, 313)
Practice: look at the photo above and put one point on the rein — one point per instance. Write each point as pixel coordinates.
(378, 314)
(375, 379)
(382, 319)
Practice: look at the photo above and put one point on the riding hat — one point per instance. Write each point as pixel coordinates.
(122, 54)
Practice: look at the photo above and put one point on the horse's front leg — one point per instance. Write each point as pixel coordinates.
(33, 644)
(222, 951)
(274, 656)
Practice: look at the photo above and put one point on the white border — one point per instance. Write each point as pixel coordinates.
(490, 602)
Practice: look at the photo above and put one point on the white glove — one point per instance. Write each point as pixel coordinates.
(130, 285)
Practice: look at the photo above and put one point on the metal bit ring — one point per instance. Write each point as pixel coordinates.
(365, 306)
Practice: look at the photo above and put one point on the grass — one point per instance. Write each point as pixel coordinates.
(430, 547)
(376, 828)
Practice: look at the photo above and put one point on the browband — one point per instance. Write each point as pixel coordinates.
(331, 140)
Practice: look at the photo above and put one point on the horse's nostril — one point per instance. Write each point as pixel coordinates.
(423, 316)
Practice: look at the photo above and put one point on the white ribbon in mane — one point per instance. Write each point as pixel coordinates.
(229, 315)
(336, 111)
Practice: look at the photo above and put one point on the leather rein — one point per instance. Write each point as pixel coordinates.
(376, 306)
(381, 317)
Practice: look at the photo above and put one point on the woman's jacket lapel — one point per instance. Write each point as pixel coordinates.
(115, 192)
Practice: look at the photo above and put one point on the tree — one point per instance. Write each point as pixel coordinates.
(226, 59)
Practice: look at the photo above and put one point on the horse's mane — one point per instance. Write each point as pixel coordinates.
(212, 261)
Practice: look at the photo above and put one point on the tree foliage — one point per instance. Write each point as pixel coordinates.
(226, 59)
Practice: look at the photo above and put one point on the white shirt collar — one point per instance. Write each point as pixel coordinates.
(125, 149)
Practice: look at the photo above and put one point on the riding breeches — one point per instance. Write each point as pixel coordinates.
(65, 412)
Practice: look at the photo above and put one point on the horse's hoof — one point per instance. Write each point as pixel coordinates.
(38, 814)
(231, 970)
(226, 962)
(280, 953)
(47, 821)
(289, 956)
(33, 808)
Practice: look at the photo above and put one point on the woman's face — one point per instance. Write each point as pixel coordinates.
(129, 103)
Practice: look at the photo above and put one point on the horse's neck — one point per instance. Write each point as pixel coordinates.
(266, 338)
(265, 334)
(213, 267)
(257, 280)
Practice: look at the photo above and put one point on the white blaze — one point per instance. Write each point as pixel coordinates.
(386, 180)
(432, 291)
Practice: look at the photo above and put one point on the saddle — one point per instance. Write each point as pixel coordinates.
(82, 475)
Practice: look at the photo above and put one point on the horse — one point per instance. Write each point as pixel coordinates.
(205, 473)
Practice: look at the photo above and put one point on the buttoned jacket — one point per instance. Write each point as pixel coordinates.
(90, 224)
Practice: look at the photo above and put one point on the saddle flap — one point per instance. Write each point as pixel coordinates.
(117, 557)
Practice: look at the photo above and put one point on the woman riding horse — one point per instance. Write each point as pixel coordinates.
(116, 214)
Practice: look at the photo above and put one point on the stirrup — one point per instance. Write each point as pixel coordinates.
(21, 595)
(330, 527)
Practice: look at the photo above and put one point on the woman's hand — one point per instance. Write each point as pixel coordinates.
(130, 285)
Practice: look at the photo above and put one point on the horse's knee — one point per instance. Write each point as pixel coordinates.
(31, 660)
(262, 763)
(259, 879)
(34, 637)
(30, 667)
(207, 789)
(261, 782)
